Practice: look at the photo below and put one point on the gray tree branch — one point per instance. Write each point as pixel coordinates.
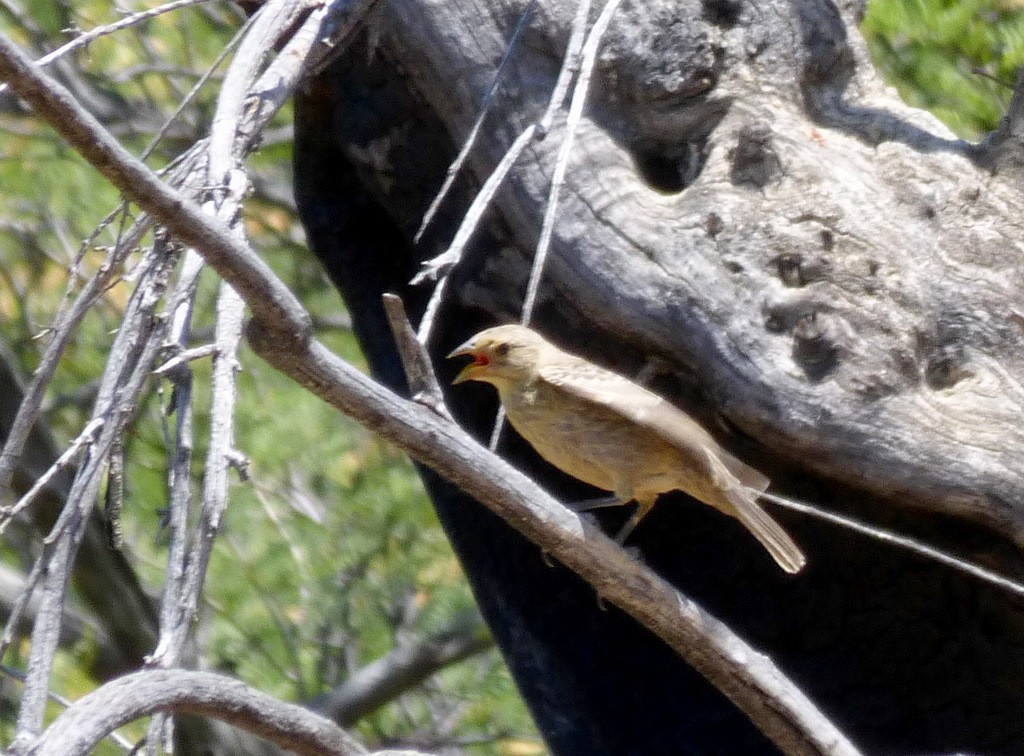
(83, 725)
(401, 669)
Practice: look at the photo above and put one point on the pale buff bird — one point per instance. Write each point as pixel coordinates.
(616, 435)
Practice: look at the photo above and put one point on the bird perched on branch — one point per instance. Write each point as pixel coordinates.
(616, 435)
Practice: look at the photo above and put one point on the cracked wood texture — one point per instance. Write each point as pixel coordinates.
(821, 274)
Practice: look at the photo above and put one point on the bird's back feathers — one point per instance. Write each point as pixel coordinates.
(739, 482)
(590, 383)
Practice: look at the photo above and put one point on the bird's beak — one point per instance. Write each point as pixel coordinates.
(471, 370)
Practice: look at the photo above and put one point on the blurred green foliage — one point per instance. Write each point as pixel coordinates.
(956, 58)
(331, 551)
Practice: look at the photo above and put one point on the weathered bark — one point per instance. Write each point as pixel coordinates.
(84, 724)
(838, 273)
(828, 278)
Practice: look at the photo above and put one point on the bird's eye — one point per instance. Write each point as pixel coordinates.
(501, 350)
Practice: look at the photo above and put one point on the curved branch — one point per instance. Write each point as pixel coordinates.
(128, 698)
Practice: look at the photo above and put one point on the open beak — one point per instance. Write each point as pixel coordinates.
(469, 372)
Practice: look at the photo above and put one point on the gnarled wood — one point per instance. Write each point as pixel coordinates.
(835, 268)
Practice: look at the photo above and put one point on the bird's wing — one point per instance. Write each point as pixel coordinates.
(590, 383)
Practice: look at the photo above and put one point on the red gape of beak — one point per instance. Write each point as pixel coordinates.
(468, 373)
(480, 360)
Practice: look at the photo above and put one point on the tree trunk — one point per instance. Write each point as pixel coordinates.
(823, 275)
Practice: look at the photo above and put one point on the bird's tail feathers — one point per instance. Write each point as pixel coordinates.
(766, 530)
(747, 475)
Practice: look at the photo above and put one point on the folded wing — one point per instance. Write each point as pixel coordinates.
(590, 383)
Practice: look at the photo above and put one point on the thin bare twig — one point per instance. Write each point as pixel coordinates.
(186, 219)
(79, 624)
(259, 105)
(124, 379)
(82, 442)
(196, 88)
(439, 267)
(485, 106)
(540, 255)
(273, 20)
(225, 149)
(18, 611)
(61, 333)
(903, 542)
(180, 464)
(579, 98)
(570, 65)
(83, 39)
(184, 357)
(423, 385)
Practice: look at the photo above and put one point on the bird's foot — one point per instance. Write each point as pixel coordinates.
(629, 527)
(643, 507)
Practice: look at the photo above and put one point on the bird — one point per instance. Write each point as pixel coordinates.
(608, 431)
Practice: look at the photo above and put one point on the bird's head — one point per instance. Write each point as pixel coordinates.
(501, 355)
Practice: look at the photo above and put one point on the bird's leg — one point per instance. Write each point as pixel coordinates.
(599, 503)
(642, 508)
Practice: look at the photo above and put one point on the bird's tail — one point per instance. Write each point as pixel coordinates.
(766, 530)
